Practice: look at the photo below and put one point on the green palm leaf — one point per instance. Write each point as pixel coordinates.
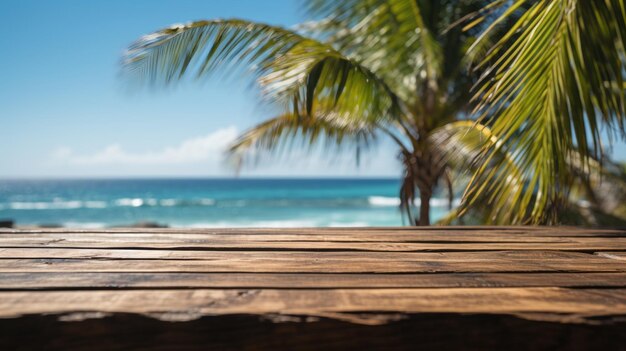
(288, 66)
(390, 37)
(275, 134)
(548, 89)
(462, 144)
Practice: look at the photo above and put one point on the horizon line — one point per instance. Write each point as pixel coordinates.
(42, 178)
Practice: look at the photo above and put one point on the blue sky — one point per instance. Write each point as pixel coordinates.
(66, 112)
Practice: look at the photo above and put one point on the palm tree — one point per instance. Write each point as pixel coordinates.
(361, 69)
(553, 82)
(551, 77)
(596, 197)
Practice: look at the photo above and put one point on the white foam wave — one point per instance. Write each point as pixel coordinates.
(272, 224)
(128, 202)
(168, 202)
(383, 201)
(251, 224)
(348, 224)
(207, 202)
(139, 202)
(439, 202)
(95, 204)
(54, 205)
(59, 204)
(84, 225)
(151, 202)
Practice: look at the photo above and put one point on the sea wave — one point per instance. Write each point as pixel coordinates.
(53, 205)
(383, 201)
(296, 223)
(123, 202)
(348, 224)
(348, 202)
(139, 202)
(439, 202)
(133, 202)
(85, 225)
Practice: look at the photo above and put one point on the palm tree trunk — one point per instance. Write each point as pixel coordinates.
(425, 195)
(420, 174)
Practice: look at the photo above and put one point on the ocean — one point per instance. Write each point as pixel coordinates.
(205, 202)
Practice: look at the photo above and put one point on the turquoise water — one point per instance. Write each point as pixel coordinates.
(205, 202)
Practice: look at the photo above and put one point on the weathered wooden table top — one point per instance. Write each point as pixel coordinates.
(365, 276)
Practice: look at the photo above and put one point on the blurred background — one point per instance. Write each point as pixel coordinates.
(80, 147)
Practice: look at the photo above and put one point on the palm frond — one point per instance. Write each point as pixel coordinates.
(462, 144)
(287, 65)
(390, 37)
(279, 133)
(548, 89)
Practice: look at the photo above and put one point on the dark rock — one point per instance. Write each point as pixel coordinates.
(148, 224)
(49, 225)
(6, 223)
(143, 224)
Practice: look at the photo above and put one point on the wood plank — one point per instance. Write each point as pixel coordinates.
(545, 256)
(440, 231)
(285, 262)
(365, 236)
(81, 280)
(173, 244)
(307, 237)
(613, 255)
(473, 256)
(191, 304)
(476, 280)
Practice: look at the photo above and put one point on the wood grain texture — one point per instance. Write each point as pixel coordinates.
(183, 243)
(613, 255)
(185, 304)
(294, 255)
(531, 231)
(320, 264)
(288, 288)
(98, 281)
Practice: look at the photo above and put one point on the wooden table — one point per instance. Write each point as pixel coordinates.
(291, 289)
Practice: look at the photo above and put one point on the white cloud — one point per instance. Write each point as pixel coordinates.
(204, 156)
(200, 149)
